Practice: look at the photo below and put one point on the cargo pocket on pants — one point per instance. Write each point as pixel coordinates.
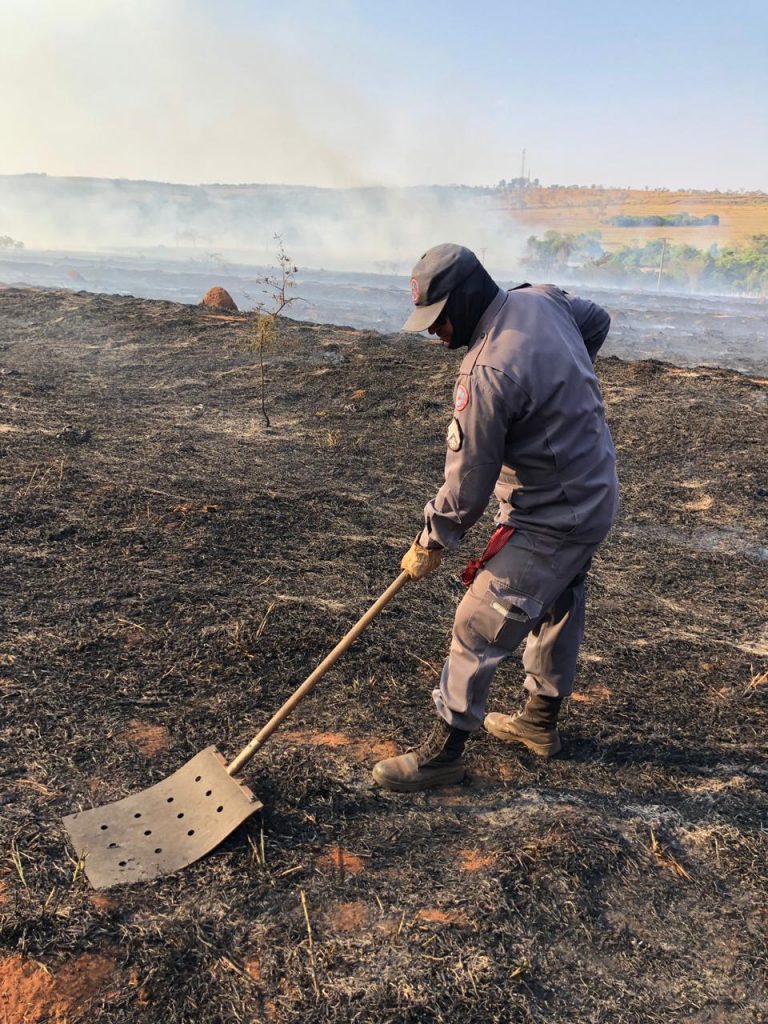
(504, 616)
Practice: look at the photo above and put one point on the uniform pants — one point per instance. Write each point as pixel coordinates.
(533, 588)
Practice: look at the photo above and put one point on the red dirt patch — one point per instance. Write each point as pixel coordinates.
(475, 860)
(253, 968)
(29, 993)
(318, 739)
(219, 298)
(348, 917)
(358, 749)
(134, 980)
(5, 894)
(342, 860)
(365, 750)
(101, 902)
(150, 739)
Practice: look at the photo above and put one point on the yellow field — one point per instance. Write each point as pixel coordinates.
(588, 209)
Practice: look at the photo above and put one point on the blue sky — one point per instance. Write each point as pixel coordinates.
(395, 93)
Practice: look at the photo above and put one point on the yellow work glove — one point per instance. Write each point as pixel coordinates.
(419, 562)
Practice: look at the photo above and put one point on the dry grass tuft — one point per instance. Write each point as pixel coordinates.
(666, 860)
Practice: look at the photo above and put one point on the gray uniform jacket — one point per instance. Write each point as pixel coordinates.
(529, 423)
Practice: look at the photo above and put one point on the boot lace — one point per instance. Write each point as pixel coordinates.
(434, 743)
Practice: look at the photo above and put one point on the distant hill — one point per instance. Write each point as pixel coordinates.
(366, 228)
(329, 227)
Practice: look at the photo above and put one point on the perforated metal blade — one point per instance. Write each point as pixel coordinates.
(163, 828)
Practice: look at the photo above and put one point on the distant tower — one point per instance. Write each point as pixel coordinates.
(522, 167)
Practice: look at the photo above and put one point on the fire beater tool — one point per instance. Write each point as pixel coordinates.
(178, 820)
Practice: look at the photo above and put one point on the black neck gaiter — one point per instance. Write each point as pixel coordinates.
(467, 303)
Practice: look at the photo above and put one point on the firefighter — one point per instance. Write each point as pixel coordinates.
(528, 424)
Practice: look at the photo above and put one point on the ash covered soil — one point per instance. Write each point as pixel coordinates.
(172, 570)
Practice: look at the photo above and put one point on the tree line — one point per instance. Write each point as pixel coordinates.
(739, 268)
(671, 220)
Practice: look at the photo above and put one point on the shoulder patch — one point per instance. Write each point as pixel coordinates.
(454, 437)
(461, 401)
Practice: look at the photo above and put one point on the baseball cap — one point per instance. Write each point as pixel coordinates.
(437, 273)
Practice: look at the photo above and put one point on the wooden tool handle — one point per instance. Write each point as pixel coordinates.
(261, 737)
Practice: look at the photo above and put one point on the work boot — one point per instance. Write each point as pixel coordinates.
(436, 762)
(535, 725)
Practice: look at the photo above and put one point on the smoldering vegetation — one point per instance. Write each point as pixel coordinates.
(172, 570)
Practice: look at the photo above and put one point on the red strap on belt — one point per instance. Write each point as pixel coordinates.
(499, 538)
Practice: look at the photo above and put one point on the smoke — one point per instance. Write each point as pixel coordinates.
(180, 91)
(345, 229)
(184, 92)
(350, 94)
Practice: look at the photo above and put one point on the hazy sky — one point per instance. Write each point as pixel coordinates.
(362, 93)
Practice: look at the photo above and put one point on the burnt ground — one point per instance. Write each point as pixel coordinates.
(172, 570)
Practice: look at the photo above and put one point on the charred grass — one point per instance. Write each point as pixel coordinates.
(172, 570)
